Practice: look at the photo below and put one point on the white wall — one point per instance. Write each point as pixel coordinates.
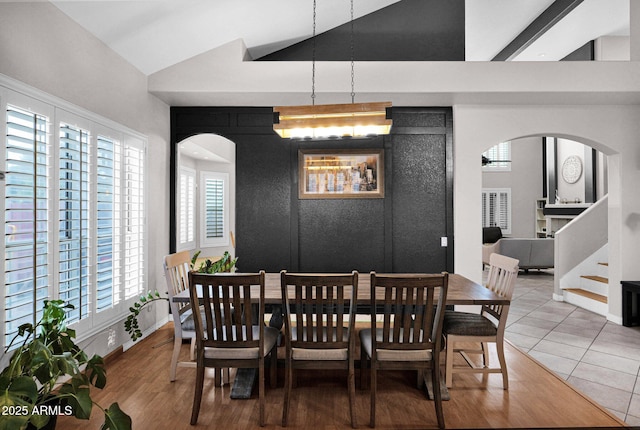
(42, 47)
(525, 181)
(612, 48)
(567, 191)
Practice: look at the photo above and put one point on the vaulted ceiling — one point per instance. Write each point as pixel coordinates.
(154, 35)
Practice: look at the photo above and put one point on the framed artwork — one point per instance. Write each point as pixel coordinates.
(341, 173)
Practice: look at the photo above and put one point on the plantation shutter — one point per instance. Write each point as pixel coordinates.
(187, 208)
(26, 218)
(134, 219)
(499, 155)
(73, 236)
(106, 283)
(214, 198)
(496, 208)
(214, 208)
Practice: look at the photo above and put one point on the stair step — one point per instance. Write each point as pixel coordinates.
(596, 278)
(588, 294)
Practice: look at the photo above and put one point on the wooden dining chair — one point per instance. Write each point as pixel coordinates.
(484, 327)
(233, 332)
(408, 334)
(176, 273)
(319, 327)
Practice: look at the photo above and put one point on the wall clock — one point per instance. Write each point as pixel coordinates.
(572, 169)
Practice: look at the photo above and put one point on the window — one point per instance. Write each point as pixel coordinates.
(26, 218)
(187, 209)
(214, 222)
(496, 208)
(73, 213)
(74, 239)
(499, 157)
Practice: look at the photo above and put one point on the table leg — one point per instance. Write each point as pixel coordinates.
(444, 391)
(246, 378)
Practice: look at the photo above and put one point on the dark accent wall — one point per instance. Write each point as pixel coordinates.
(409, 30)
(586, 52)
(275, 230)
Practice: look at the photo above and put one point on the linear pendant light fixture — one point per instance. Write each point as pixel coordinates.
(334, 120)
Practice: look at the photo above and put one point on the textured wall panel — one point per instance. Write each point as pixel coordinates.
(275, 230)
(419, 203)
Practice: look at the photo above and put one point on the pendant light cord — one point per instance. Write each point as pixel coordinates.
(313, 58)
(353, 93)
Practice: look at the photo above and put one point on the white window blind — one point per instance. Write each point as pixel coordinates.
(74, 203)
(26, 211)
(496, 208)
(215, 202)
(187, 208)
(106, 282)
(73, 213)
(500, 158)
(134, 220)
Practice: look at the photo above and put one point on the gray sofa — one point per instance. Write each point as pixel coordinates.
(532, 253)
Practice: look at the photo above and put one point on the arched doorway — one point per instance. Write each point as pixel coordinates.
(205, 194)
(479, 127)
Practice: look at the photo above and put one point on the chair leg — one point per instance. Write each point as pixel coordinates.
(437, 394)
(192, 349)
(363, 369)
(287, 392)
(449, 362)
(261, 390)
(197, 397)
(217, 380)
(503, 363)
(374, 385)
(352, 393)
(177, 344)
(273, 366)
(485, 353)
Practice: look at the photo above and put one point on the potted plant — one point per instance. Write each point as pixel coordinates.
(49, 375)
(224, 264)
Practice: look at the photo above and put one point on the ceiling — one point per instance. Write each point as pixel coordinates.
(156, 34)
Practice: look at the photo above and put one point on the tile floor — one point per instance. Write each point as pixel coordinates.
(598, 357)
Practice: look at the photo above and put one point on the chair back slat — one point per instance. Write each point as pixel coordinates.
(232, 309)
(412, 317)
(501, 279)
(176, 271)
(323, 311)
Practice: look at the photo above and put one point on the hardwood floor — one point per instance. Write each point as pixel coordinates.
(139, 381)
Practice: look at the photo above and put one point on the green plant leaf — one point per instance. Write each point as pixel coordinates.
(13, 422)
(39, 420)
(116, 419)
(79, 400)
(96, 373)
(20, 392)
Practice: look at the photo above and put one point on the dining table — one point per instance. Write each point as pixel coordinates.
(461, 291)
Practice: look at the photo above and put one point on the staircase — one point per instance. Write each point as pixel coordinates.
(591, 290)
(580, 258)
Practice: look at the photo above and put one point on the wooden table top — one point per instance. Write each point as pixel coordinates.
(462, 291)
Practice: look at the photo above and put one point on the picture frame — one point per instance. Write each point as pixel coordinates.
(341, 173)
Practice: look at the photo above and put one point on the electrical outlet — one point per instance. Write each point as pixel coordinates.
(443, 242)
